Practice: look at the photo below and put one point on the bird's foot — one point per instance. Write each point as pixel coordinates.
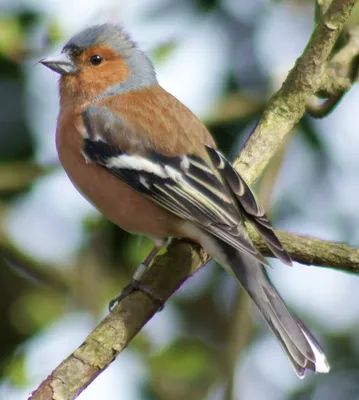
(132, 287)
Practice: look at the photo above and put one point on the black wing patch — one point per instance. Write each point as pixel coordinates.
(248, 204)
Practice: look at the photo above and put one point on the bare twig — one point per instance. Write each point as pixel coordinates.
(17, 175)
(26, 265)
(341, 73)
(241, 329)
(312, 251)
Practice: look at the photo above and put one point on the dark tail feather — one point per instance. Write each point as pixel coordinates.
(303, 351)
(264, 228)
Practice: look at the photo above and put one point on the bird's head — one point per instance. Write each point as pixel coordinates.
(100, 62)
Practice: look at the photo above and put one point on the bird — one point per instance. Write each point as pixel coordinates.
(149, 165)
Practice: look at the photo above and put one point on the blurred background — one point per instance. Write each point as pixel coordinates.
(62, 262)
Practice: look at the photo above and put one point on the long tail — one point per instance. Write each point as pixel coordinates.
(302, 349)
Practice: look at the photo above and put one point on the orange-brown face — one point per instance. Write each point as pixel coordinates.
(97, 69)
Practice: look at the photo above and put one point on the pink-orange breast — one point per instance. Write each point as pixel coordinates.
(113, 198)
(154, 117)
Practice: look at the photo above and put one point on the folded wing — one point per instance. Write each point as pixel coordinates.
(186, 185)
(248, 204)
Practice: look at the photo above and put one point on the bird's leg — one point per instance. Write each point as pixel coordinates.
(135, 283)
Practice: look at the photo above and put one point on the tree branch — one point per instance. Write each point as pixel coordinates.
(116, 331)
(18, 175)
(284, 110)
(341, 73)
(312, 251)
(26, 265)
(288, 105)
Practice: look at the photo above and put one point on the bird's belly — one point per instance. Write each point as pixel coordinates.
(119, 202)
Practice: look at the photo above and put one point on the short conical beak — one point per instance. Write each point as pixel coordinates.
(61, 64)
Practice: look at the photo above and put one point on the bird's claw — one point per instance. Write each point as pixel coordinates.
(132, 287)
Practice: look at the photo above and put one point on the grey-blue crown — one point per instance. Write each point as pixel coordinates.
(109, 34)
(142, 73)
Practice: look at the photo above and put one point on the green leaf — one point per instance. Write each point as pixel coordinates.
(163, 51)
(15, 371)
(185, 360)
(11, 36)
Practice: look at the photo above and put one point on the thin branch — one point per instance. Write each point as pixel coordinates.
(240, 333)
(312, 251)
(18, 175)
(31, 269)
(182, 259)
(318, 109)
(288, 105)
(341, 73)
(28, 266)
(234, 106)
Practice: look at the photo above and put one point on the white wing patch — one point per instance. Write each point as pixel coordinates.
(144, 182)
(138, 163)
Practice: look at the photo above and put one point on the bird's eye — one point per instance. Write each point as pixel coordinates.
(96, 59)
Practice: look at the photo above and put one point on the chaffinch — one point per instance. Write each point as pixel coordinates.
(150, 166)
